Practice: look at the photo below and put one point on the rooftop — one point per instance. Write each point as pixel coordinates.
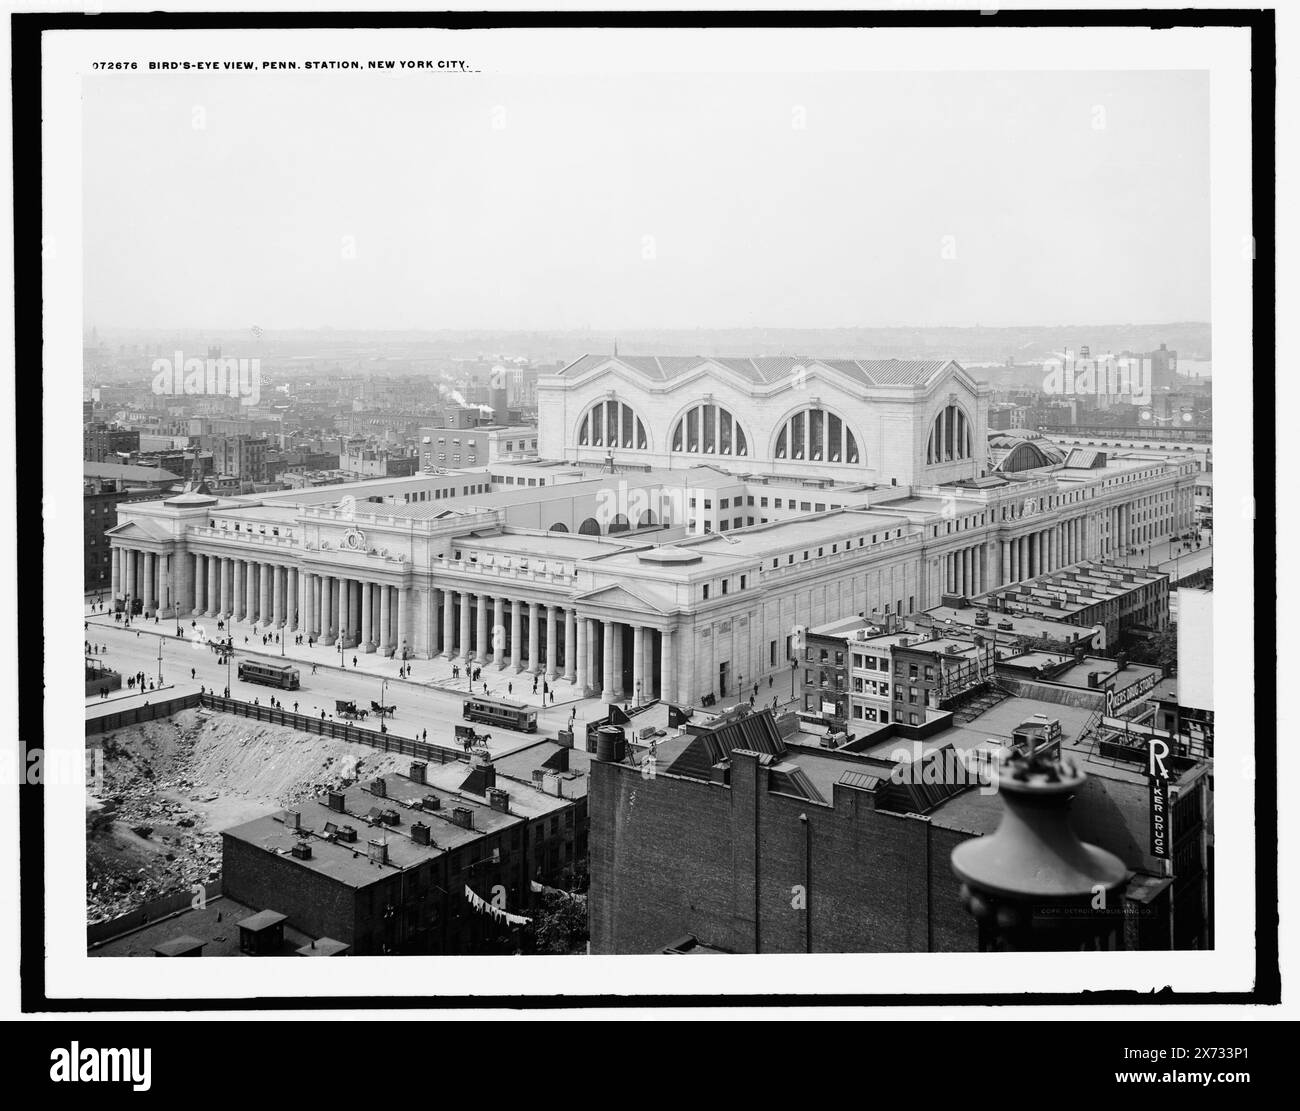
(765, 371)
(216, 925)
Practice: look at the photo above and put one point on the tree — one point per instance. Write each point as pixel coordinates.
(559, 924)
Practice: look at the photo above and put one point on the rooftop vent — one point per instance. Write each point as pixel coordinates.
(431, 802)
(335, 801)
(302, 850)
(348, 834)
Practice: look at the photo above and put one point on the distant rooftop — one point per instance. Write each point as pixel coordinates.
(766, 370)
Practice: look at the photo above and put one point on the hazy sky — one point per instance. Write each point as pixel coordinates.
(645, 201)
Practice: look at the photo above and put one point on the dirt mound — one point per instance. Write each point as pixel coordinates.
(169, 787)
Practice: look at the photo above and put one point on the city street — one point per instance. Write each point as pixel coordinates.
(430, 700)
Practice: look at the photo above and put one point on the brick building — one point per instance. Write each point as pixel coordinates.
(748, 840)
(383, 866)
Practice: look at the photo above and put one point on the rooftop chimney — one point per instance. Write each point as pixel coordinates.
(378, 851)
(418, 769)
(462, 816)
(420, 833)
(335, 801)
(378, 786)
(499, 800)
(292, 819)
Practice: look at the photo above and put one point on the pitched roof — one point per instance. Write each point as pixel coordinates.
(128, 472)
(766, 370)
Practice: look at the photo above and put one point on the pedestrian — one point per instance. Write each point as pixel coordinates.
(354, 661)
(426, 735)
(510, 688)
(227, 694)
(295, 707)
(313, 669)
(534, 684)
(552, 698)
(192, 675)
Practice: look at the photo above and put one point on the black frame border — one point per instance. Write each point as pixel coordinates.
(26, 30)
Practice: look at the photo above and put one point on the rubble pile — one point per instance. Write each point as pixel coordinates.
(153, 825)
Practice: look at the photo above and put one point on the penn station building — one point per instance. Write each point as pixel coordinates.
(685, 519)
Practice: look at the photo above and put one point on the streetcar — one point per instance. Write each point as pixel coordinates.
(269, 674)
(497, 711)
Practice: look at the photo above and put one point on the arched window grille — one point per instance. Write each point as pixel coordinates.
(950, 437)
(817, 436)
(612, 423)
(709, 429)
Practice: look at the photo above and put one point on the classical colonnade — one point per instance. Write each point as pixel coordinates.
(616, 659)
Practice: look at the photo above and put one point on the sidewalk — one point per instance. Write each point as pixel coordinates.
(435, 674)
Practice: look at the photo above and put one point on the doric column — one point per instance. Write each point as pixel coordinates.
(516, 633)
(291, 600)
(608, 692)
(638, 663)
(449, 624)
(307, 600)
(570, 644)
(149, 572)
(464, 649)
(263, 594)
(115, 558)
(667, 668)
(367, 619)
(551, 645)
(399, 634)
(534, 631)
(499, 632)
(240, 592)
(328, 608)
(200, 589)
(277, 594)
(481, 630)
(225, 600)
(214, 586)
(578, 658)
(386, 619)
(343, 610)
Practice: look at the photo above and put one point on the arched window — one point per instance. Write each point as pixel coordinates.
(612, 424)
(618, 524)
(559, 526)
(589, 527)
(708, 429)
(817, 436)
(950, 437)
